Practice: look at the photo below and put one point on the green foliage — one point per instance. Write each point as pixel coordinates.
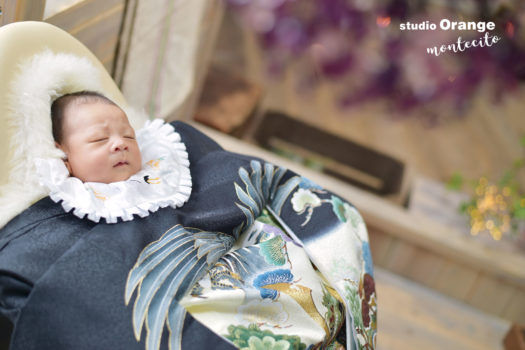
(507, 178)
(495, 206)
(518, 163)
(334, 345)
(519, 209)
(333, 315)
(463, 208)
(456, 182)
(352, 294)
(240, 336)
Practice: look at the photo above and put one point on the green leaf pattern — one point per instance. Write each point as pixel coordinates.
(252, 337)
(274, 251)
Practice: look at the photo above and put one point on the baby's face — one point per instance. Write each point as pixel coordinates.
(99, 143)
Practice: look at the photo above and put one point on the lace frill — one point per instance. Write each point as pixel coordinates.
(163, 181)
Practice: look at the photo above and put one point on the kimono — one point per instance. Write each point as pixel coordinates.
(257, 258)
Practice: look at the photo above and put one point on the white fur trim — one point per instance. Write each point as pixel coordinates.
(40, 80)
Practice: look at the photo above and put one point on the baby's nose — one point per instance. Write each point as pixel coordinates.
(119, 145)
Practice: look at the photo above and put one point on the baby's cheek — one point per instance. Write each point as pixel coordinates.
(138, 165)
(98, 163)
(138, 156)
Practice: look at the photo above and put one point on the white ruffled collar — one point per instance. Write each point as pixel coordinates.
(164, 180)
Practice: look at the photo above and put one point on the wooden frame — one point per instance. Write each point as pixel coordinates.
(21, 10)
(97, 24)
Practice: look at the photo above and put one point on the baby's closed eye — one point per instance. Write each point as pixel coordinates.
(98, 139)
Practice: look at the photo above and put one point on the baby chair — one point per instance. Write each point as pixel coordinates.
(257, 257)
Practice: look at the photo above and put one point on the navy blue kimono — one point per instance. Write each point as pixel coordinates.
(64, 280)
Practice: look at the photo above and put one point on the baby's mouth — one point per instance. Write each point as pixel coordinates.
(120, 164)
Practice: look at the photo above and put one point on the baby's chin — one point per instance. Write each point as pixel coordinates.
(120, 178)
(123, 175)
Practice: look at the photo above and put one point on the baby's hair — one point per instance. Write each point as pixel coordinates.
(59, 106)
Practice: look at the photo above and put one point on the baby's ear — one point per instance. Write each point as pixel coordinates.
(62, 148)
(66, 161)
(68, 166)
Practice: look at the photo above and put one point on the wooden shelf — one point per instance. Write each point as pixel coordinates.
(411, 316)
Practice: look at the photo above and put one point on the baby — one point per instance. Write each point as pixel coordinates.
(143, 276)
(96, 136)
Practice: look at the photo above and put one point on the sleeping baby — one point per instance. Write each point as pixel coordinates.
(95, 134)
(105, 262)
(108, 171)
